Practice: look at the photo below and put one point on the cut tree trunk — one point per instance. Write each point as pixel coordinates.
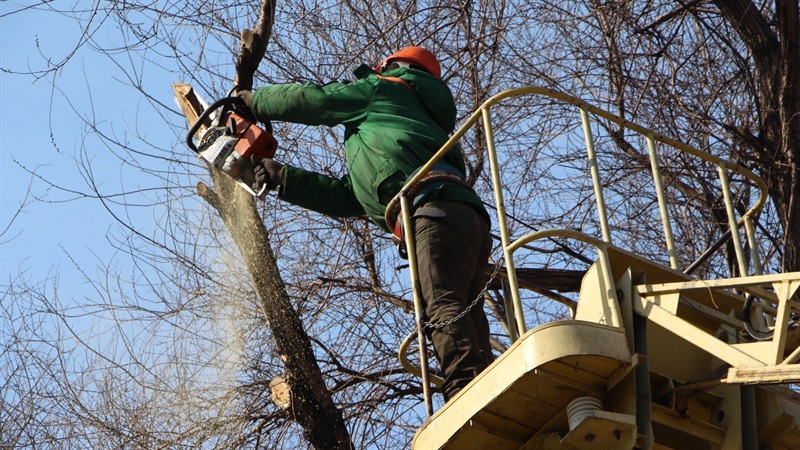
(311, 402)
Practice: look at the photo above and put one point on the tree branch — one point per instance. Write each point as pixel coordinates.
(312, 405)
(254, 46)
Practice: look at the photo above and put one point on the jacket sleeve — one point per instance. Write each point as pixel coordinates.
(320, 193)
(310, 104)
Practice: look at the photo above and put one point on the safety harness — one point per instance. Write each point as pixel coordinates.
(439, 175)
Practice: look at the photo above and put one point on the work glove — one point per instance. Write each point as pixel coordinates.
(245, 111)
(247, 96)
(267, 173)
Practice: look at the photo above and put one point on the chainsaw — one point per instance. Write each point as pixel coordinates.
(231, 140)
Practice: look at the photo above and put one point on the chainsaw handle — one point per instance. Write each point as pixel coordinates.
(206, 114)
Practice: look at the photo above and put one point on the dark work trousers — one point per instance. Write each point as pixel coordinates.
(453, 246)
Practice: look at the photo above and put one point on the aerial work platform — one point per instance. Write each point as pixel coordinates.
(521, 401)
(528, 388)
(652, 358)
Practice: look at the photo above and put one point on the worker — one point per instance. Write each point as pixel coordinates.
(395, 118)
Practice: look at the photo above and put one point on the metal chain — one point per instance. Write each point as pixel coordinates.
(439, 326)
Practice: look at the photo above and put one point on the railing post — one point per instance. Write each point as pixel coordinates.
(519, 315)
(732, 222)
(755, 255)
(508, 304)
(416, 293)
(662, 203)
(595, 171)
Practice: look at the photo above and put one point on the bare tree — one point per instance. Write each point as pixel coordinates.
(721, 76)
(222, 298)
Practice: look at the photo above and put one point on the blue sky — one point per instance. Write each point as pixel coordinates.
(61, 233)
(40, 132)
(38, 237)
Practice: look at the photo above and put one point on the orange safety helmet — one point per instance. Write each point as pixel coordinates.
(414, 55)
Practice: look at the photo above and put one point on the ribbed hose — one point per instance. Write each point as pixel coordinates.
(748, 326)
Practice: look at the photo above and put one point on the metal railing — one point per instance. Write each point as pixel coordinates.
(509, 247)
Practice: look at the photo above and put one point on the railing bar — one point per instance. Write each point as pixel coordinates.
(536, 90)
(755, 255)
(615, 317)
(416, 293)
(662, 202)
(502, 222)
(595, 171)
(510, 316)
(732, 222)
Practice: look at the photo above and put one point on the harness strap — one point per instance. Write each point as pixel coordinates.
(417, 194)
(425, 185)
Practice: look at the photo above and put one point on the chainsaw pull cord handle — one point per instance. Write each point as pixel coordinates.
(227, 101)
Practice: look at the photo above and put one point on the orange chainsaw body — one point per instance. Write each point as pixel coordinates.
(231, 142)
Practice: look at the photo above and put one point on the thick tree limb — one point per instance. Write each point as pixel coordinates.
(560, 280)
(310, 403)
(254, 46)
(776, 53)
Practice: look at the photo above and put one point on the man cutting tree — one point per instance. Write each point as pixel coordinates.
(396, 117)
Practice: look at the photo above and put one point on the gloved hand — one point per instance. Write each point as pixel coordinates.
(247, 96)
(267, 172)
(245, 111)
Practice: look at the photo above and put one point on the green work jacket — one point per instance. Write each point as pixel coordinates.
(390, 130)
